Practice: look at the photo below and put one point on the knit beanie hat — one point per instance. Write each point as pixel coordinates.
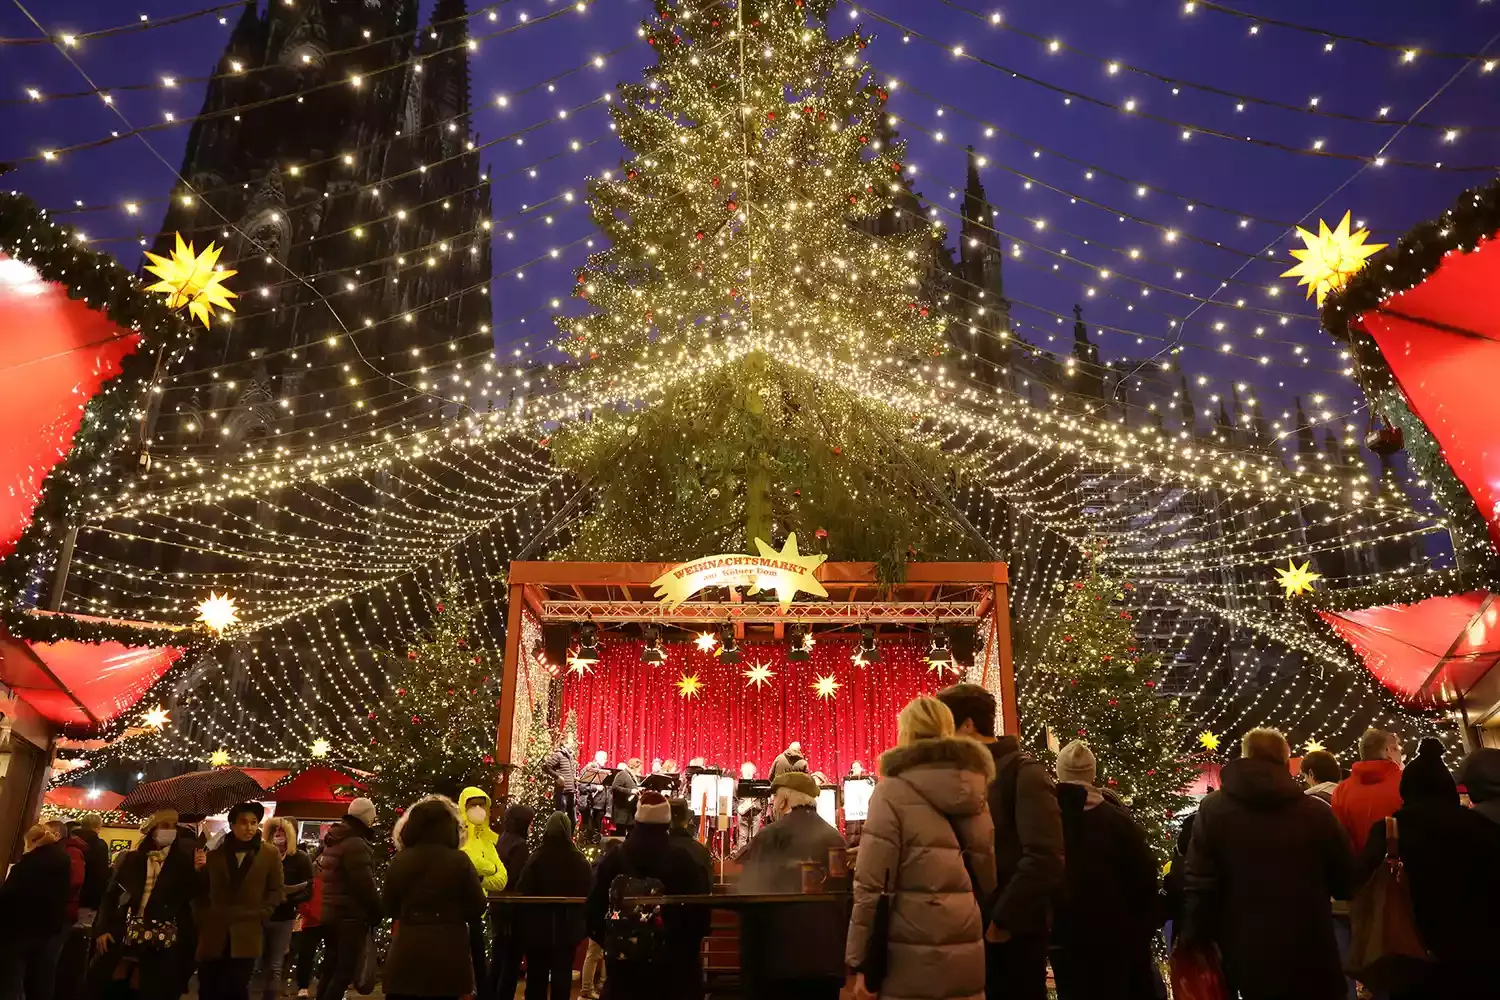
(1075, 762)
(363, 810)
(654, 808)
(1427, 777)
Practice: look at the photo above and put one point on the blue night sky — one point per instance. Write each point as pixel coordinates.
(1042, 151)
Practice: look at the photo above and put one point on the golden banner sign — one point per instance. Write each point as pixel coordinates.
(787, 573)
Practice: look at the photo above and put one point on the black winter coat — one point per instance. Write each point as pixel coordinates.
(347, 868)
(95, 869)
(621, 802)
(433, 893)
(556, 868)
(296, 868)
(796, 940)
(1106, 913)
(34, 899)
(1452, 860)
(1028, 839)
(163, 974)
(562, 767)
(1262, 864)
(688, 844)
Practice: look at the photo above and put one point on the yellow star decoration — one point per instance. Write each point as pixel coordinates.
(706, 641)
(1208, 740)
(825, 687)
(787, 585)
(1297, 579)
(688, 685)
(156, 718)
(320, 747)
(580, 666)
(759, 675)
(1313, 746)
(1331, 257)
(190, 281)
(218, 613)
(219, 758)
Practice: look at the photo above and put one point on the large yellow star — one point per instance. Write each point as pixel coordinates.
(758, 676)
(1331, 257)
(825, 687)
(156, 718)
(706, 641)
(1208, 740)
(1297, 579)
(189, 280)
(218, 613)
(320, 747)
(219, 758)
(787, 583)
(688, 685)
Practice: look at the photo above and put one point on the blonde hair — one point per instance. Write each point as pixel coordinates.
(923, 718)
(269, 827)
(37, 836)
(1266, 744)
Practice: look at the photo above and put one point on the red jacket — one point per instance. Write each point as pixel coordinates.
(1371, 792)
(77, 854)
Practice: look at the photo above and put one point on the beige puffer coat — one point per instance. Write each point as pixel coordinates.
(936, 943)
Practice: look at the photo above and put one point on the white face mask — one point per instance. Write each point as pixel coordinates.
(478, 814)
(164, 838)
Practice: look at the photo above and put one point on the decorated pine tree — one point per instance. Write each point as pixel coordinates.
(529, 786)
(742, 333)
(435, 729)
(1095, 683)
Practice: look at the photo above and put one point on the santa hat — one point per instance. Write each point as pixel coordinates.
(653, 807)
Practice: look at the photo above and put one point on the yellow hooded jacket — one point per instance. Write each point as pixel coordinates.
(479, 844)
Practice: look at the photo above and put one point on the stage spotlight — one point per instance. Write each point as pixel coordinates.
(796, 637)
(729, 647)
(868, 652)
(586, 653)
(939, 651)
(652, 651)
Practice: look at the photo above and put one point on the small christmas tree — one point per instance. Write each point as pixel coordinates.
(531, 786)
(435, 730)
(1097, 685)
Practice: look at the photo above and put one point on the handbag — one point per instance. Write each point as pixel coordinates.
(1385, 949)
(149, 934)
(877, 947)
(1196, 974)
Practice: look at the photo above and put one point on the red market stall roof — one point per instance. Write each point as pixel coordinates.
(319, 783)
(55, 353)
(1428, 654)
(88, 799)
(266, 776)
(84, 685)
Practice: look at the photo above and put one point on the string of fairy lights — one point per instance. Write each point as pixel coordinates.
(420, 489)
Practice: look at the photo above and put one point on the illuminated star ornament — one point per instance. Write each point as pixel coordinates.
(219, 758)
(758, 676)
(826, 687)
(218, 613)
(156, 718)
(1313, 746)
(190, 281)
(320, 747)
(688, 685)
(706, 641)
(1208, 740)
(1297, 579)
(1330, 258)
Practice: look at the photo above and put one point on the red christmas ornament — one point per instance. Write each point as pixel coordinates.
(1125, 615)
(462, 643)
(488, 759)
(440, 607)
(715, 182)
(854, 199)
(1067, 638)
(821, 533)
(771, 115)
(1083, 732)
(450, 690)
(734, 293)
(630, 175)
(1151, 684)
(1113, 702)
(1072, 681)
(416, 719)
(475, 661)
(922, 312)
(1151, 773)
(864, 139)
(732, 205)
(1106, 657)
(544, 442)
(1078, 585)
(838, 450)
(1113, 782)
(411, 654)
(699, 235)
(401, 692)
(372, 716)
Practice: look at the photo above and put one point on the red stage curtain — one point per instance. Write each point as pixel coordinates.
(629, 708)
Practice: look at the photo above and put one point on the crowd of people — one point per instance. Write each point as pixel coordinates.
(976, 870)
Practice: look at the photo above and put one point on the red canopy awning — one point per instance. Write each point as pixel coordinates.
(73, 797)
(1426, 653)
(55, 352)
(82, 685)
(318, 783)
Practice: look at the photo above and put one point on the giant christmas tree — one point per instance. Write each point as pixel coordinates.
(739, 319)
(1094, 683)
(435, 729)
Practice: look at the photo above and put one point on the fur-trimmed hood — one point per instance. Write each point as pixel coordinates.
(953, 773)
(423, 823)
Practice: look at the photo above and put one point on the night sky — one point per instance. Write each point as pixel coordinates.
(1028, 174)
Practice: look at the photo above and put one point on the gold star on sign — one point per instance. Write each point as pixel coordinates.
(190, 282)
(1208, 740)
(1330, 258)
(825, 687)
(759, 675)
(688, 685)
(156, 718)
(218, 613)
(320, 747)
(706, 641)
(785, 584)
(219, 758)
(1297, 579)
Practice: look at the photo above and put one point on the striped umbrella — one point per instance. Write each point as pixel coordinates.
(197, 793)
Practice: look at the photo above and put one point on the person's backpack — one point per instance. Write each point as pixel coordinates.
(634, 931)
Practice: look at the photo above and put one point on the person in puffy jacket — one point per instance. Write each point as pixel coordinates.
(34, 916)
(479, 840)
(297, 877)
(929, 838)
(351, 902)
(433, 894)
